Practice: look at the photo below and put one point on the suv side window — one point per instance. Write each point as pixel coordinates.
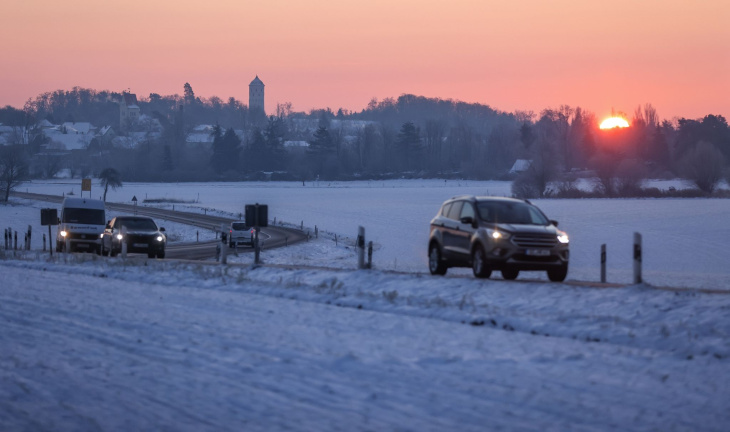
(467, 211)
(455, 210)
(445, 210)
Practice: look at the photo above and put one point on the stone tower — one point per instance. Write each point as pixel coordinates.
(256, 94)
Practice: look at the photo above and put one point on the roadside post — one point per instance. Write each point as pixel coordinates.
(44, 242)
(360, 247)
(603, 263)
(637, 258)
(124, 242)
(224, 245)
(258, 216)
(370, 254)
(134, 200)
(30, 231)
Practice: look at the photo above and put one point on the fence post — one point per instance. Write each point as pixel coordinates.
(124, 242)
(360, 247)
(603, 263)
(224, 244)
(370, 254)
(16, 241)
(30, 232)
(316, 232)
(44, 242)
(637, 258)
(257, 248)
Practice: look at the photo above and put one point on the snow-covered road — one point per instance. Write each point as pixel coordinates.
(93, 344)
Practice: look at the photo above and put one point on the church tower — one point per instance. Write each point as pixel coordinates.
(256, 95)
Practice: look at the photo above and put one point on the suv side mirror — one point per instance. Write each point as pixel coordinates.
(467, 220)
(554, 222)
(162, 229)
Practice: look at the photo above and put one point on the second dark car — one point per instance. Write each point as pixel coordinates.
(140, 233)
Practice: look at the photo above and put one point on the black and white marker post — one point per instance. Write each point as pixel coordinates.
(637, 258)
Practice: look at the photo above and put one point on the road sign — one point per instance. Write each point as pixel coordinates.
(86, 185)
(49, 216)
(257, 215)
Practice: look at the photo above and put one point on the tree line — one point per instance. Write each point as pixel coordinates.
(409, 136)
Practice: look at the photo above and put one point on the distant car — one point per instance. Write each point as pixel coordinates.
(141, 236)
(493, 233)
(240, 233)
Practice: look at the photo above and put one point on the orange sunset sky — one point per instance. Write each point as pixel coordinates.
(511, 55)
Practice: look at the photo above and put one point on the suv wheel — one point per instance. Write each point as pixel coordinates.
(479, 263)
(510, 274)
(435, 264)
(558, 274)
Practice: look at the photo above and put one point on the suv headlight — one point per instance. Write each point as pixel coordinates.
(159, 238)
(119, 237)
(497, 235)
(563, 237)
(63, 233)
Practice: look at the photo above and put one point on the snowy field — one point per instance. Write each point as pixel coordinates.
(685, 240)
(90, 343)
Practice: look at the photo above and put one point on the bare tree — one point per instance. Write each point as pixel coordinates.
(630, 174)
(704, 165)
(544, 168)
(604, 166)
(13, 168)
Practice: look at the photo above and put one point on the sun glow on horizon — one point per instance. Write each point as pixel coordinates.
(614, 122)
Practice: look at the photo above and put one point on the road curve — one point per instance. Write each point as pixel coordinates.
(273, 236)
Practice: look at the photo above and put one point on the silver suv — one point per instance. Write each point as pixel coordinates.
(240, 233)
(493, 233)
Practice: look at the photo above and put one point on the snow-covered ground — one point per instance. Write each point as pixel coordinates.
(684, 240)
(91, 343)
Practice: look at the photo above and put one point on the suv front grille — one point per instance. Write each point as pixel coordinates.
(535, 240)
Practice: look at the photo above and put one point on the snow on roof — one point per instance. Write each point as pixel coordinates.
(78, 127)
(296, 144)
(68, 141)
(520, 165)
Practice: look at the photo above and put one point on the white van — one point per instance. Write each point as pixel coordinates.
(81, 225)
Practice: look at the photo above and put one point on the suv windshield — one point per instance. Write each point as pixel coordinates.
(238, 226)
(510, 213)
(83, 216)
(137, 224)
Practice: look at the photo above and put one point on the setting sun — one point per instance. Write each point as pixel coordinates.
(614, 122)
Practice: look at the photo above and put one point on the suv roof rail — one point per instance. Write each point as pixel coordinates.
(462, 196)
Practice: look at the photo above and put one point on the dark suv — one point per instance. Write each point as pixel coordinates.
(139, 232)
(492, 233)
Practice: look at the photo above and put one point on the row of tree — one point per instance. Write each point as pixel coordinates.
(408, 136)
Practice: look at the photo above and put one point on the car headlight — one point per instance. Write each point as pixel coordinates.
(101, 235)
(119, 237)
(159, 238)
(497, 235)
(563, 237)
(63, 233)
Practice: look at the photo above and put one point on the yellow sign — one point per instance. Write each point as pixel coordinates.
(86, 185)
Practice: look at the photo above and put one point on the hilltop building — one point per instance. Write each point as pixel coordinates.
(128, 111)
(256, 95)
